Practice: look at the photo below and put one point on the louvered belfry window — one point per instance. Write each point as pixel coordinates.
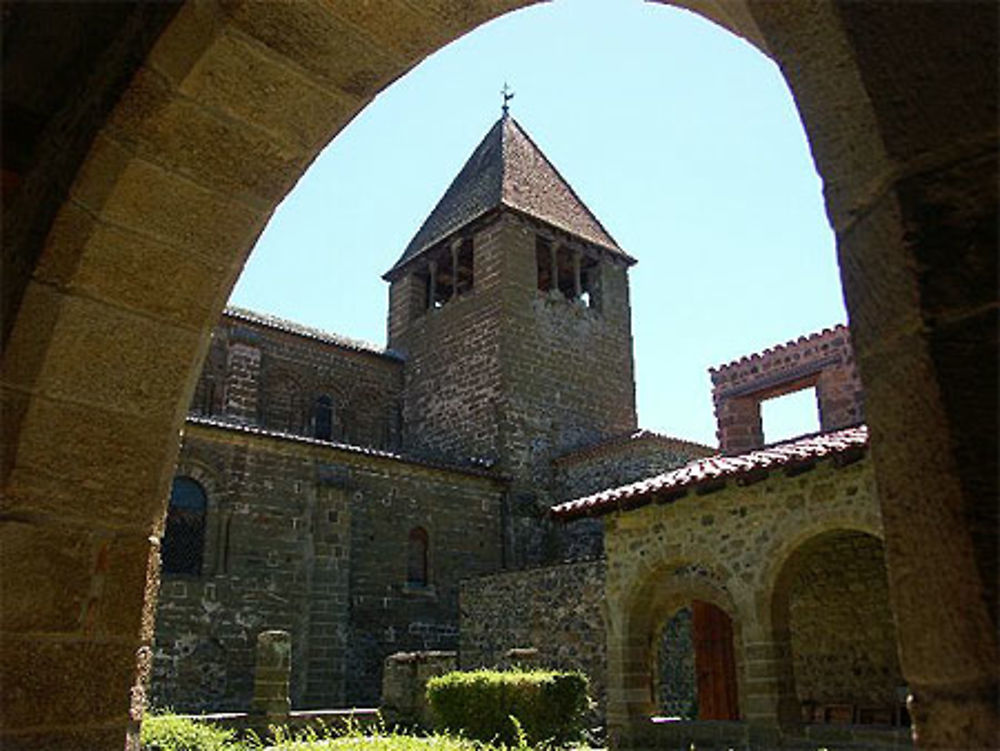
(183, 547)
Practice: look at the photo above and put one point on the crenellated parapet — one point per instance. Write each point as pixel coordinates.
(824, 361)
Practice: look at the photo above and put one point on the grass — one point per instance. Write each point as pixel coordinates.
(162, 731)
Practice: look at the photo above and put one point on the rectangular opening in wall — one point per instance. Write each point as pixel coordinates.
(463, 272)
(790, 415)
(543, 262)
(590, 279)
(423, 277)
(567, 272)
(445, 281)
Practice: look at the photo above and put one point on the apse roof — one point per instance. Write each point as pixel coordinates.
(508, 169)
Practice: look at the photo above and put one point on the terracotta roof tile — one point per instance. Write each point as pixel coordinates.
(799, 452)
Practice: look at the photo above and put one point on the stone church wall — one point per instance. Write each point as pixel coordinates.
(568, 366)
(619, 462)
(312, 539)
(291, 367)
(556, 610)
(461, 515)
(452, 374)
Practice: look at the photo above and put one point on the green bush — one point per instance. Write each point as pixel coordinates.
(549, 706)
(169, 732)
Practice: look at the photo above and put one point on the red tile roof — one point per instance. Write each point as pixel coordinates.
(797, 453)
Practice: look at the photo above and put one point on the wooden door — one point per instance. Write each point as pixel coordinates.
(714, 662)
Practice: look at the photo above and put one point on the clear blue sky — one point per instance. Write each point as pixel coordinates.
(684, 141)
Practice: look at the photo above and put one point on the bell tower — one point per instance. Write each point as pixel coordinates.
(511, 307)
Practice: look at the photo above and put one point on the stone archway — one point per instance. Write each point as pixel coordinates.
(638, 611)
(218, 121)
(830, 614)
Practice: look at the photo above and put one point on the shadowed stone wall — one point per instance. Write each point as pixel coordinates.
(557, 610)
(312, 539)
(677, 690)
(842, 636)
(265, 371)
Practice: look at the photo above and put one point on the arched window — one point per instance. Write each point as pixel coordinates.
(184, 537)
(416, 564)
(323, 418)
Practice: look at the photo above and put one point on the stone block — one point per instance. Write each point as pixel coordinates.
(69, 478)
(47, 577)
(151, 200)
(187, 138)
(310, 35)
(125, 268)
(35, 667)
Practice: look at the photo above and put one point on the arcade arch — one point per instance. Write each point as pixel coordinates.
(219, 120)
(830, 607)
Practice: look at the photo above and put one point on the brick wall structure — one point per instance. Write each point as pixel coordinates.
(824, 361)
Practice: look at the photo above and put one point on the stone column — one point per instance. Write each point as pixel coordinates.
(271, 675)
(432, 290)
(455, 245)
(577, 282)
(769, 694)
(739, 426)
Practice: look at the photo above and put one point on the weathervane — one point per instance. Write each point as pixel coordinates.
(507, 96)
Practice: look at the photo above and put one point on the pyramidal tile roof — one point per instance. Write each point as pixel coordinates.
(508, 169)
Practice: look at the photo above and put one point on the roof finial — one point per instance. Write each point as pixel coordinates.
(507, 96)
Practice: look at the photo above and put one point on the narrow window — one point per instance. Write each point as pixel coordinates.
(543, 261)
(204, 397)
(590, 279)
(323, 418)
(463, 272)
(416, 564)
(183, 544)
(445, 278)
(566, 271)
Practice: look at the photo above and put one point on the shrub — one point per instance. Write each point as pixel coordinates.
(548, 705)
(170, 732)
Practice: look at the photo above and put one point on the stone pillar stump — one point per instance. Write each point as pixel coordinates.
(271, 675)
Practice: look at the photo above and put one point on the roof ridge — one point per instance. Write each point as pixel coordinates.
(565, 182)
(289, 326)
(626, 439)
(480, 470)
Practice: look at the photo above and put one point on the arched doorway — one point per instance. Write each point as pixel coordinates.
(117, 300)
(830, 605)
(695, 669)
